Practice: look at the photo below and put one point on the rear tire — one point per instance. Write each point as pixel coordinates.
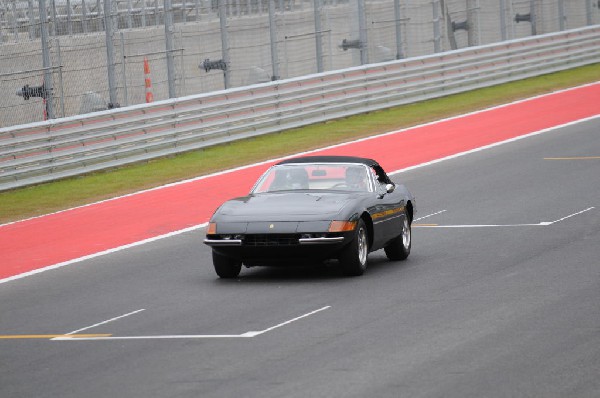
(226, 267)
(354, 257)
(399, 248)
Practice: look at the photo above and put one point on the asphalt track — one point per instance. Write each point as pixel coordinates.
(499, 298)
(54, 239)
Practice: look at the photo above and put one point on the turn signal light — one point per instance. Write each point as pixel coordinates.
(212, 228)
(342, 226)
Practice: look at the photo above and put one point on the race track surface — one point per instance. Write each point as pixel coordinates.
(499, 298)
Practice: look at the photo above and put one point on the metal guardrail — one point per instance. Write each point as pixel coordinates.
(59, 148)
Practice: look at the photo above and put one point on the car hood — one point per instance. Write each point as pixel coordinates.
(288, 206)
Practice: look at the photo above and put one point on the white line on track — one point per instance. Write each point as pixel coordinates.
(430, 215)
(572, 215)
(104, 322)
(541, 224)
(192, 336)
(252, 334)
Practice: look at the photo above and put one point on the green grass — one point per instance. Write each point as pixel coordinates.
(50, 197)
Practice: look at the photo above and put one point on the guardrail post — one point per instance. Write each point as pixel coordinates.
(170, 48)
(362, 33)
(110, 52)
(473, 32)
(588, 11)
(533, 18)
(46, 58)
(398, 26)
(503, 20)
(224, 42)
(561, 15)
(273, 38)
(318, 35)
(436, 26)
(124, 69)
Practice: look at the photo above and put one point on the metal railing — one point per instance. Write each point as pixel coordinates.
(46, 151)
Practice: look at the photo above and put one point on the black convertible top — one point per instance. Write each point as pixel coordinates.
(331, 159)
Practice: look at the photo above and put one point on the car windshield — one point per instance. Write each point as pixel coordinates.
(326, 176)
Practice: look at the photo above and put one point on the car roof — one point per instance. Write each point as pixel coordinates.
(330, 159)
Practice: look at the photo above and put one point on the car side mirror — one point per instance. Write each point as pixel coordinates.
(389, 188)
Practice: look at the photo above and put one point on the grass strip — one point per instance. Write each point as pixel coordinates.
(76, 191)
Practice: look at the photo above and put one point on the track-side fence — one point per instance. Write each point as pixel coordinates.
(46, 151)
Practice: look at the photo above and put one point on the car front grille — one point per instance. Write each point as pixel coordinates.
(271, 240)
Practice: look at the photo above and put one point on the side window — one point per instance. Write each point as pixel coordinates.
(382, 178)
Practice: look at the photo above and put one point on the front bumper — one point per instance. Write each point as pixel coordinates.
(279, 246)
(301, 241)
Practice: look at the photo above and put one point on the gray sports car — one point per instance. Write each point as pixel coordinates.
(313, 208)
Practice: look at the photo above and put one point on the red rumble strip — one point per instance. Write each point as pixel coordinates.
(36, 243)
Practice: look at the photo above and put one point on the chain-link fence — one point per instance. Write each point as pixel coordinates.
(65, 57)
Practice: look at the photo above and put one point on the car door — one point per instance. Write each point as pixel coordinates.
(387, 210)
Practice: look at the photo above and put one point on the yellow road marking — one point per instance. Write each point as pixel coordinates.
(425, 225)
(575, 158)
(48, 336)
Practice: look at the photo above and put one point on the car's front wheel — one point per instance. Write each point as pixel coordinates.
(354, 257)
(399, 248)
(226, 267)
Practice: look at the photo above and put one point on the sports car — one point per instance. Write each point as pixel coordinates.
(313, 208)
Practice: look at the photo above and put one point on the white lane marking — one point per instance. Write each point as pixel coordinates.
(252, 334)
(167, 337)
(541, 224)
(193, 336)
(573, 215)
(102, 253)
(457, 117)
(479, 225)
(104, 322)
(430, 215)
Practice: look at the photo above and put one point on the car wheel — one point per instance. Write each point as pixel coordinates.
(399, 248)
(354, 257)
(226, 267)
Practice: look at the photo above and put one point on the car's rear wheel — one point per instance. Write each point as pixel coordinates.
(354, 257)
(399, 248)
(226, 267)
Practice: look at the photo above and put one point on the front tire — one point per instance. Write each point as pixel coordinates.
(226, 267)
(354, 257)
(399, 248)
